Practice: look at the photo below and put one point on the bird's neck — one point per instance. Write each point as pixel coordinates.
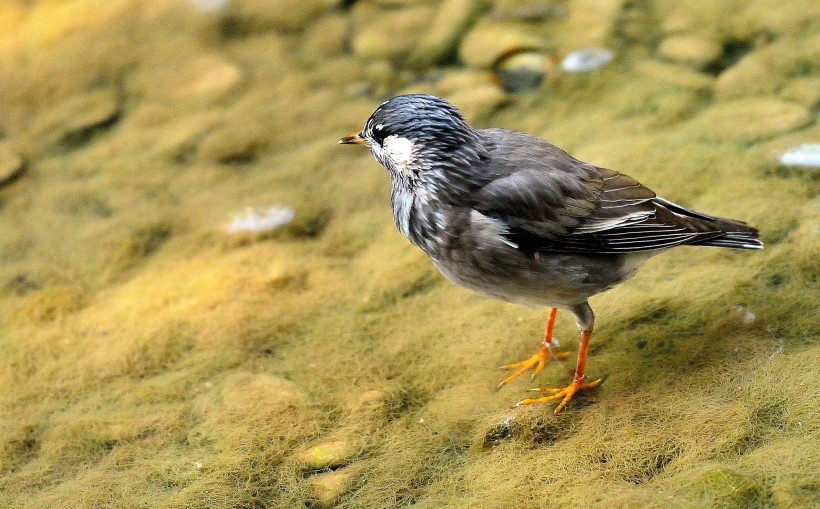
(418, 216)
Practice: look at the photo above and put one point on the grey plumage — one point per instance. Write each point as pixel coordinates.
(513, 217)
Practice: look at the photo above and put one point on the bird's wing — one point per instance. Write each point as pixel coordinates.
(550, 201)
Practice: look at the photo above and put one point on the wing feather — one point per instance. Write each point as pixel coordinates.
(550, 201)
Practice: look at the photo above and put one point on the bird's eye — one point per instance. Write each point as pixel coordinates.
(379, 133)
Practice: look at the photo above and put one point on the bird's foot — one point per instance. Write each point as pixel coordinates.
(535, 363)
(565, 394)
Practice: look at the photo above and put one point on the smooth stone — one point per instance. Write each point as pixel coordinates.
(489, 41)
(390, 34)
(329, 487)
(804, 90)
(331, 454)
(11, 164)
(806, 155)
(588, 23)
(532, 12)
(261, 220)
(210, 77)
(281, 14)
(586, 60)
(209, 5)
(769, 69)
(455, 81)
(676, 75)
(248, 391)
(77, 114)
(228, 145)
(447, 27)
(522, 71)
(479, 102)
(749, 120)
(690, 50)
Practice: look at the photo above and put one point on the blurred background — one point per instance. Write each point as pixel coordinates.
(204, 301)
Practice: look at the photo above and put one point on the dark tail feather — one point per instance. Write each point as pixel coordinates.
(733, 234)
(735, 240)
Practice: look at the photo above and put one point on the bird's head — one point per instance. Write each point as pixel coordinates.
(419, 139)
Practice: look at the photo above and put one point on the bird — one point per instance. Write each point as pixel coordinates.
(515, 218)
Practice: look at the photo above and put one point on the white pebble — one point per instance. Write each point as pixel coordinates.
(747, 316)
(586, 60)
(807, 155)
(209, 5)
(260, 220)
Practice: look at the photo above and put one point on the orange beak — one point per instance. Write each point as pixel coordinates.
(353, 139)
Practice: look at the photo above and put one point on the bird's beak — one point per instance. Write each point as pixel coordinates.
(353, 139)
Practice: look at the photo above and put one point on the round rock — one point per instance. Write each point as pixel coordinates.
(448, 25)
(521, 71)
(489, 41)
(749, 120)
(11, 164)
(690, 50)
(332, 454)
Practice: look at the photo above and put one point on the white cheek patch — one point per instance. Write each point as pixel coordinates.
(400, 150)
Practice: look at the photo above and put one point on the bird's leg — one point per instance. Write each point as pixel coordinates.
(577, 384)
(540, 359)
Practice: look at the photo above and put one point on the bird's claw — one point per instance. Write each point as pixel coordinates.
(565, 395)
(535, 363)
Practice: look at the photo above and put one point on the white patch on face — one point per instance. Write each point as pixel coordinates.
(398, 149)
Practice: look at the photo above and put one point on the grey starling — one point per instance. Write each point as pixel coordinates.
(515, 218)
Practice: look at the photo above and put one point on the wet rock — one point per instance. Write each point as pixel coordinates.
(11, 164)
(211, 77)
(206, 78)
(228, 144)
(281, 14)
(453, 82)
(478, 103)
(330, 454)
(449, 24)
(75, 120)
(329, 487)
(209, 5)
(768, 69)
(691, 50)
(529, 12)
(521, 71)
(804, 90)
(589, 23)
(258, 220)
(244, 391)
(676, 75)
(390, 34)
(489, 41)
(586, 60)
(806, 155)
(749, 120)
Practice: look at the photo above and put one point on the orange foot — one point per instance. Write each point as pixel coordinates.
(565, 394)
(536, 363)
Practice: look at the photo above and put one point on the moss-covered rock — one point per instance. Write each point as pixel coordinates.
(691, 50)
(748, 120)
(488, 41)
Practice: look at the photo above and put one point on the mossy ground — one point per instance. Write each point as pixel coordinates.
(149, 359)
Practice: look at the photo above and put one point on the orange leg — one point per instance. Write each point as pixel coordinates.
(577, 384)
(540, 359)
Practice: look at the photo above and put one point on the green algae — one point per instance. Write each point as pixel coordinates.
(149, 359)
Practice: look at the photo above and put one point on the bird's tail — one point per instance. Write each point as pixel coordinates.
(732, 233)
